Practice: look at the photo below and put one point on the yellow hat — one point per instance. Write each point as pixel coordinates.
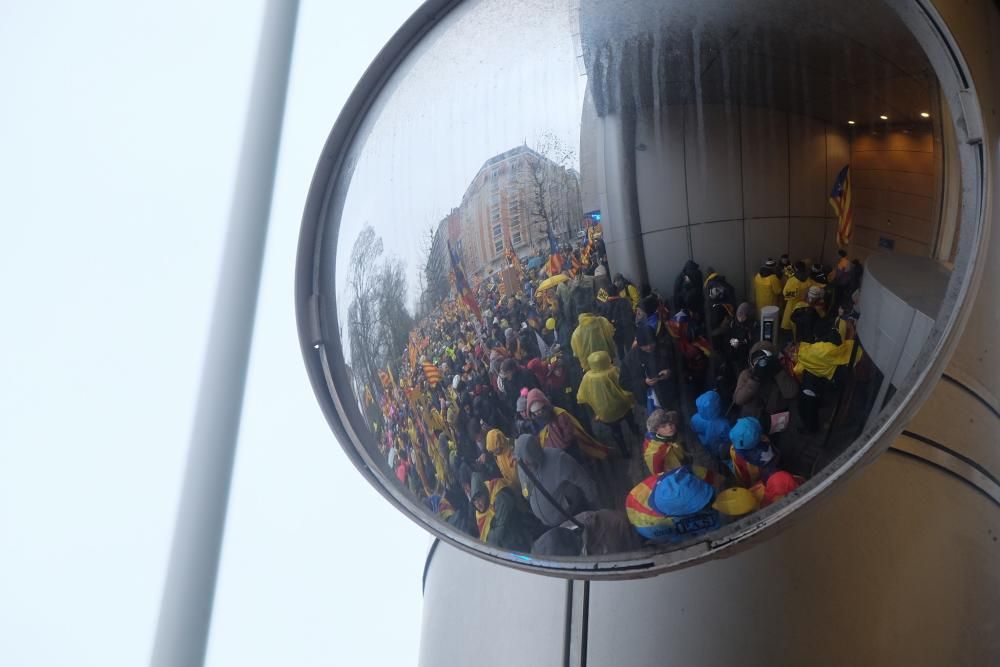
(550, 324)
(735, 501)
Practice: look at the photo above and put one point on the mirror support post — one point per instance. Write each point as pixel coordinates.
(189, 589)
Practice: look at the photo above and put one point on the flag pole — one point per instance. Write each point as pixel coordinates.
(189, 590)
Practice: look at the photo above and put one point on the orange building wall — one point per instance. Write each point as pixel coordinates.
(896, 191)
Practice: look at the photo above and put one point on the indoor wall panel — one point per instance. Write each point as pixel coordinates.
(904, 182)
(712, 161)
(764, 134)
(896, 191)
(915, 229)
(719, 245)
(751, 183)
(807, 167)
(806, 237)
(838, 154)
(666, 252)
(765, 237)
(875, 241)
(830, 246)
(659, 166)
(896, 180)
(913, 162)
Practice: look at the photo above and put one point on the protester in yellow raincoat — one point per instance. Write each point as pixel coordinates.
(822, 358)
(767, 288)
(612, 405)
(816, 364)
(501, 447)
(602, 392)
(626, 289)
(440, 454)
(786, 269)
(594, 334)
(434, 419)
(796, 289)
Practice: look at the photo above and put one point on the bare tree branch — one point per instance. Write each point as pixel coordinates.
(553, 187)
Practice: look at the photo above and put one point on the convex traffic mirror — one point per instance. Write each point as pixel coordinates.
(604, 288)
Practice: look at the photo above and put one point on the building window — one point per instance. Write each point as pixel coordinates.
(497, 238)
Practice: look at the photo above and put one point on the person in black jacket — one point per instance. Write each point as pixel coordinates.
(649, 372)
(688, 293)
(617, 309)
(529, 344)
(514, 378)
(457, 494)
(809, 322)
(739, 336)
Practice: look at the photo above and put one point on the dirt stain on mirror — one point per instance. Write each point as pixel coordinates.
(600, 270)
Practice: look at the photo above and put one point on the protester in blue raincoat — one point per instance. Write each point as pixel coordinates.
(709, 425)
(672, 506)
(752, 458)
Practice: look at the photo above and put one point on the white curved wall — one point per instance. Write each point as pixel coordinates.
(897, 568)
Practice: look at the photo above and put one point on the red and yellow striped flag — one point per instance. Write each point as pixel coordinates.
(840, 199)
(432, 373)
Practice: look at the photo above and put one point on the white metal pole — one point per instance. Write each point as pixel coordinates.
(186, 606)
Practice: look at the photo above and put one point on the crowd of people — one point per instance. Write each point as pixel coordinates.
(566, 411)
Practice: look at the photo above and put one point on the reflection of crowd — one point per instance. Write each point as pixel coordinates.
(518, 424)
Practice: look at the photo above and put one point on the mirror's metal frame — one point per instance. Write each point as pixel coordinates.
(321, 347)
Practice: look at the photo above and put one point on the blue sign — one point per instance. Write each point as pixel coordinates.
(886, 243)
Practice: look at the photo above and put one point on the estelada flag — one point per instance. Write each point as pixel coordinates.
(432, 373)
(589, 246)
(555, 263)
(462, 285)
(840, 199)
(679, 331)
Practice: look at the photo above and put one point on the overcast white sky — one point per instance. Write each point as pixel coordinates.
(120, 129)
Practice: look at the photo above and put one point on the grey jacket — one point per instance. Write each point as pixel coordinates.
(560, 475)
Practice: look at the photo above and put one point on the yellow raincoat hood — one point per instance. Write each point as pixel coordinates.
(601, 391)
(594, 334)
(599, 361)
(501, 447)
